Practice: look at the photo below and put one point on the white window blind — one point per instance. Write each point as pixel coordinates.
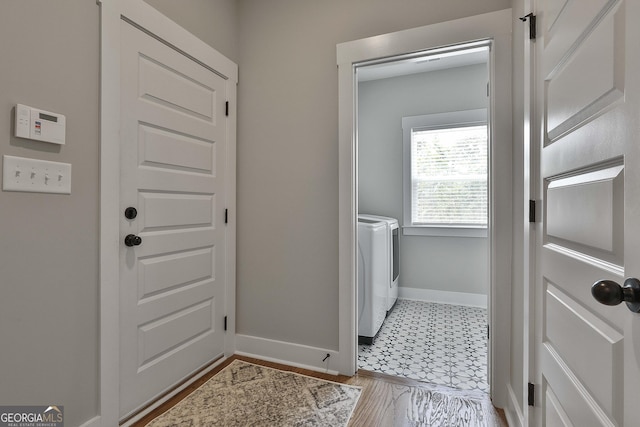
(449, 176)
(445, 174)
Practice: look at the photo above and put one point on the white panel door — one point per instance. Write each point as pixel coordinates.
(172, 283)
(588, 79)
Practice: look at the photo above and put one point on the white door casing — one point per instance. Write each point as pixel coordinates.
(495, 26)
(166, 35)
(172, 150)
(588, 109)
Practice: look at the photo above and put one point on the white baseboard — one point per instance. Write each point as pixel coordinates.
(300, 356)
(514, 415)
(93, 422)
(443, 297)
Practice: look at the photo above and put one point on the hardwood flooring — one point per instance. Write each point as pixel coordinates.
(386, 401)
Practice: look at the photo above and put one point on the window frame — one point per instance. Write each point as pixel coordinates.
(475, 117)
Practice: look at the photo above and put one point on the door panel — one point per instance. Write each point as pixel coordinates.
(553, 10)
(159, 83)
(175, 210)
(165, 149)
(172, 172)
(589, 82)
(572, 398)
(587, 359)
(597, 339)
(555, 415)
(566, 27)
(168, 332)
(164, 272)
(585, 212)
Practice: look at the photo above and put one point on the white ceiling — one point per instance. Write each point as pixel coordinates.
(423, 64)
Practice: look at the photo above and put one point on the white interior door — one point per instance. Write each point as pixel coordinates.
(172, 284)
(588, 354)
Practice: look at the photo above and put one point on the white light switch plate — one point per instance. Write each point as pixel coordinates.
(35, 176)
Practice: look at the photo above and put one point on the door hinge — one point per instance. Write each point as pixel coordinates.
(532, 211)
(532, 25)
(226, 108)
(488, 334)
(531, 392)
(225, 323)
(226, 216)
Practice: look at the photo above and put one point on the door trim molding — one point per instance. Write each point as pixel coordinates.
(495, 26)
(152, 21)
(512, 411)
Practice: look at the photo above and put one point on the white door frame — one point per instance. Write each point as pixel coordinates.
(525, 152)
(531, 173)
(149, 19)
(497, 27)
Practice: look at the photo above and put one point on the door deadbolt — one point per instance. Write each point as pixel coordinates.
(130, 213)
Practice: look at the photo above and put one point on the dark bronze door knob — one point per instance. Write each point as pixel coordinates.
(132, 240)
(609, 292)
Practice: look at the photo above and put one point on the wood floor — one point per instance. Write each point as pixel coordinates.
(385, 400)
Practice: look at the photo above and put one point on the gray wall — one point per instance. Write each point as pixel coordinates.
(49, 243)
(288, 154)
(426, 262)
(49, 308)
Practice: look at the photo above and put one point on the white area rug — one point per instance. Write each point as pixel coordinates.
(244, 394)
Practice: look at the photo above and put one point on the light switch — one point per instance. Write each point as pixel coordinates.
(35, 176)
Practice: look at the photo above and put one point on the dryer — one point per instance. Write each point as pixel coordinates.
(393, 256)
(372, 283)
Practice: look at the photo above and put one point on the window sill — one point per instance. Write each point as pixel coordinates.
(445, 231)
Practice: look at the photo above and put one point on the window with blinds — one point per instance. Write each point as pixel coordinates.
(449, 176)
(445, 173)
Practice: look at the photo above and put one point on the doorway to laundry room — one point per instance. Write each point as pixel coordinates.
(423, 140)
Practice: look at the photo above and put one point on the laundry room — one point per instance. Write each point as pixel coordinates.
(423, 156)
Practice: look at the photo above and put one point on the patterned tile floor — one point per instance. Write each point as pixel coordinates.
(436, 343)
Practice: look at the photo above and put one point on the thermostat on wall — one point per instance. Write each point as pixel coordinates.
(40, 125)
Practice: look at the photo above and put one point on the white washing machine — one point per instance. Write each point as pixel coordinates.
(372, 283)
(393, 256)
